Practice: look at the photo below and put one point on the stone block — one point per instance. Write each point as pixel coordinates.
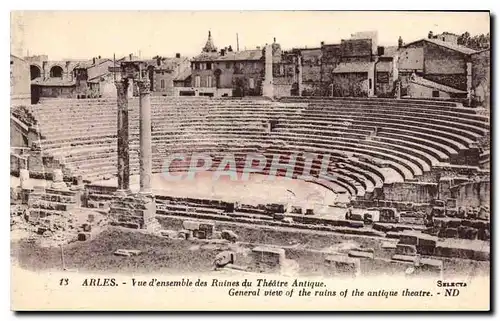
(388, 245)
(361, 254)
(409, 239)
(451, 233)
(406, 249)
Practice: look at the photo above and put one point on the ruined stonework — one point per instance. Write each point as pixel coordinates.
(51, 208)
(135, 211)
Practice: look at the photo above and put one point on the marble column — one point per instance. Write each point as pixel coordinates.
(146, 157)
(123, 135)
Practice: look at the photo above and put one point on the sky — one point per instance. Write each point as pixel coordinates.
(85, 34)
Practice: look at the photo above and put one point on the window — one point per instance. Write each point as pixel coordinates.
(197, 81)
(251, 83)
(382, 77)
(209, 81)
(56, 72)
(162, 84)
(254, 65)
(209, 66)
(370, 83)
(228, 65)
(435, 93)
(197, 66)
(241, 65)
(203, 66)
(282, 70)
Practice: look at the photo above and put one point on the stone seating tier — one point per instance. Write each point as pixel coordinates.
(408, 136)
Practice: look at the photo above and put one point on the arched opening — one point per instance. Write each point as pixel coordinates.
(34, 72)
(56, 72)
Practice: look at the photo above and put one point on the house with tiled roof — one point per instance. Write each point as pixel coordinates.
(355, 72)
(420, 87)
(226, 72)
(443, 63)
(168, 73)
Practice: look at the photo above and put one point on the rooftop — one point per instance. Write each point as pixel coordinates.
(255, 54)
(352, 67)
(209, 45)
(449, 45)
(183, 75)
(431, 84)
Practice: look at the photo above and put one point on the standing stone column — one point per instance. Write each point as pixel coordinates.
(145, 160)
(299, 76)
(469, 82)
(122, 134)
(267, 90)
(24, 177)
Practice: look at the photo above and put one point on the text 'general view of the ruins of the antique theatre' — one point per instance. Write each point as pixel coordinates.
(348, 158)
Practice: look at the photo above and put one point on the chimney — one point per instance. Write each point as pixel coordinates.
(223, 52)
(229, 49)
(380, 51)
(274, 40)
(177, 55)
(322, 43)
(400, 42)
(99, 57)
(93, 61)
(158, 61)
(130, 57)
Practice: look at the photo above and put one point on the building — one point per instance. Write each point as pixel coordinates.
(312, 73)
(20, 87)
(287, 74)
(71, 79)
(419, 87)
(481, 78)
(168, 74)
(43, 68)
(225, 72)
(52, 78)
(446, 36)
(439, 62)
(93, 79)
(354, 67)
(354, 75)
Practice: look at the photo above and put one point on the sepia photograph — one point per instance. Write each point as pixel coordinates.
(257, 160)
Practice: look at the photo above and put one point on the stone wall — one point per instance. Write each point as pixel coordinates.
(458, 81)
(58, 92)
(51, 208)
(481, 78)
(411, 192)
(473, 194)
(350, 85)
(20, 84)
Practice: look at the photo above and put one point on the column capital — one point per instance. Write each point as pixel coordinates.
(121, 84)
(144, 86)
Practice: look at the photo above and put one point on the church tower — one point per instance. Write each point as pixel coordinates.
(209, 46)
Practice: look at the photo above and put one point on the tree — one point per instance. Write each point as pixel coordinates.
(477, 42)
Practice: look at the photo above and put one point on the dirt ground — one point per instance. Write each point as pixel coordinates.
(162, 255)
